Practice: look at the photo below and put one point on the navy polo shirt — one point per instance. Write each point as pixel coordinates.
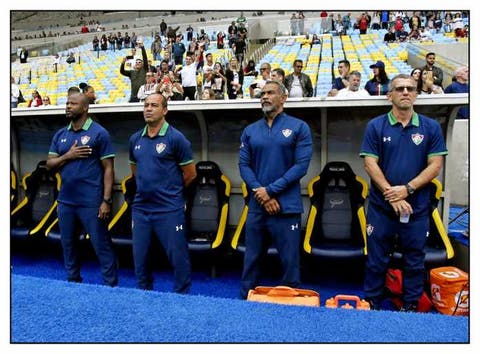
(402, 153)
(159, 176)
(82, 179)
(276, 157)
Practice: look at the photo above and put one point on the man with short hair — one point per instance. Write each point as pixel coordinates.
(257, 85)
(436, 71)
(340, 82)
(297, 83)
(137, 75)
(460, 85)
(275, 153)
(189, 76)
(83, 153)
(161, 160)
(148, 88)
(353, 90)
(403, 152)
(178, 49)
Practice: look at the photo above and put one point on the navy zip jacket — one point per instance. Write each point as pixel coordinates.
(276, 157)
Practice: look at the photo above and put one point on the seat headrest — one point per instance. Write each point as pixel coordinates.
(208, 169)
(337, 168)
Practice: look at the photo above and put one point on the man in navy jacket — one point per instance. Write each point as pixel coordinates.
(275, 153)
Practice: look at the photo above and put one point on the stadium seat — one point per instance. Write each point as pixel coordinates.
(336, 225)
(238, 239)
(39, 206)
(120, 228)
(207, 207)
(438, 249)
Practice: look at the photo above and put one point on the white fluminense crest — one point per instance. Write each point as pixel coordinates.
(286, 132)
(369, 229)
(85, 139)
(417, 138)
(160, 147)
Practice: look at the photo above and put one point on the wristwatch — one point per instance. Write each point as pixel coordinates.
(109, 201)
(410, 189)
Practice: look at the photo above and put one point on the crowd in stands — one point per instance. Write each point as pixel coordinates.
(185, 68)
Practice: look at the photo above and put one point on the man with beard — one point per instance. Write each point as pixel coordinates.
(162, 164)
(275, 153)
(83, 153)
(403, 151)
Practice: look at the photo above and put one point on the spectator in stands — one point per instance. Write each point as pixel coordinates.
(297, 83)
(416, 74)
(103, 42)
(220, 40)
(342, 81)
(425, 85)
(218, 81)
(275, 205)
(96, 43)
(234, 75)
(137, 75)
(425, 34)
(415, 20)
(134, 40)
(390, 36)
(362, 23)
(56, 61)
(232, 28)
(209, 64)
(353, 90)
(170, 88)
(378, 85)
(89, 91)
(324, 22)
(384, 19)
(375, 22)
(457, 22)
(14, 93)
(346, 23)
(23, 55)
(162, 168)
(70, 58)
(170, 61)
(83, 153)
(240, 48)
(189, 31)
(148, 88)
(255, 88)
(36, 100)
(119, 41)
(293, 24)
(460, 85)
(430, 66)
(46, 101)
(447, 22)
(172, 33)
(398, 26)
(414, 34)
(163, 28)
(315, 39)
(301, 22)
(111, 41)
(401, 161)
(126, 40)
(278, 74)
(188, 74)
(151, 67)
(178, 49)
(208, 94)
(156, 48)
